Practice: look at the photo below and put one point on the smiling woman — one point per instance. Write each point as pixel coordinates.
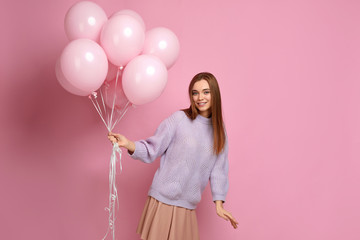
(205, 84)
(202, 97)
(194, 150)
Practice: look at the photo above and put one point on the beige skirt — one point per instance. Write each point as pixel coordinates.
(160, 221)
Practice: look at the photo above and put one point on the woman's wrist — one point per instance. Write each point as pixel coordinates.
(130, 146)
(219, 204)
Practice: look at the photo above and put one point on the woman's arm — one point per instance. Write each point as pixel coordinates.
(122, 141)
(221, 212)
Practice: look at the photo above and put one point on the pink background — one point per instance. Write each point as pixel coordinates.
(289, 74)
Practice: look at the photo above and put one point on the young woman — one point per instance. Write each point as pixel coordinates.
(193, 147)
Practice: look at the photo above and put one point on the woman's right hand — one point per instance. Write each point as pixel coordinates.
(122, 141)
(112, 138)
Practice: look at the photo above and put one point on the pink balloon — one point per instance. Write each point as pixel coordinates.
(111, 93)
(132, 14)
(122, 38)
(84, 20)
(162, 43)
(144, 79)
(65, 83)
(84, 64)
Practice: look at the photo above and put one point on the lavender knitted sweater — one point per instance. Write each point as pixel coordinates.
(187, 161)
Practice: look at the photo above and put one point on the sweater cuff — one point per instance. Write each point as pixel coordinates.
(140, 151)
(218, 197)
(135, 154)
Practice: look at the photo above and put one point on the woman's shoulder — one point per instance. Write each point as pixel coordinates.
(177, 116)
(174, 119)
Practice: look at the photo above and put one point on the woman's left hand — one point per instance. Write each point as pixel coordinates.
(221, 212)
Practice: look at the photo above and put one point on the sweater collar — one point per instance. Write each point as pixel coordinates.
(203, 119)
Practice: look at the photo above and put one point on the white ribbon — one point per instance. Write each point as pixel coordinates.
(113, 195)
(110, 118)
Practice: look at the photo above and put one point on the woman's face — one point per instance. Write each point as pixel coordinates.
(202, 97)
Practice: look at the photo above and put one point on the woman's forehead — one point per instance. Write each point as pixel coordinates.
(201, 85)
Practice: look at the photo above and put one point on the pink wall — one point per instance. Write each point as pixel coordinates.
(289, 73)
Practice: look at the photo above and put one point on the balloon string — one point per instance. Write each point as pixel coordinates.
(94, 95)
(97, 103)
(128, 104)
(113, 194)
(114, 99)
(104, 107)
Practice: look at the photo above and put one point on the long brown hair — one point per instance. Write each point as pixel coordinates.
(216, 111)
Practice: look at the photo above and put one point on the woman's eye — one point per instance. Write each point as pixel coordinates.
(206, 92)
(194, 93)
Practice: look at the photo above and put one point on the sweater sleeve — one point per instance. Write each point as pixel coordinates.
(219, 181)
(150, 149)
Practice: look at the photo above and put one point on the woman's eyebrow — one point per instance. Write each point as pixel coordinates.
(205, 89)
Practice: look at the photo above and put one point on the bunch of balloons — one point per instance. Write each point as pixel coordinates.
(115, 60)
(101, 48)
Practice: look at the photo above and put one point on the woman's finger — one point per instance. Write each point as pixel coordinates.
(234, 224)
(112, 134)
(231, 217)
(222, 215)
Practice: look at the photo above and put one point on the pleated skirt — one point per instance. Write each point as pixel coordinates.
(160, 221)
